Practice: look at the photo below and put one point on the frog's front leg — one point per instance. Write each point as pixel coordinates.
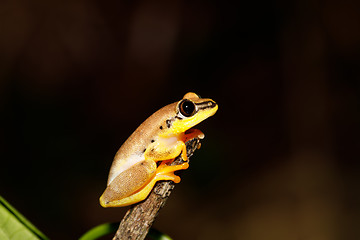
(193, 133)
(189, 135)
(166, 148)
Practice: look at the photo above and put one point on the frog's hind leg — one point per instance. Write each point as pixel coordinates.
(163, 172)
(166, 172)
(120, 191)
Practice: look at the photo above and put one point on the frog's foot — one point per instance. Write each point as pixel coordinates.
(168, 176)
(187, 136)
(193, 133)
(165, 172)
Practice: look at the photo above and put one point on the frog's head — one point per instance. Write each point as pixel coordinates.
(191, 110)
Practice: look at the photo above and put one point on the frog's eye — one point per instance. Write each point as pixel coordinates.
(187, 108)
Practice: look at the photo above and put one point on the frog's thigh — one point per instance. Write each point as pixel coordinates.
(163, 172)
(128, 182)
(162, 150)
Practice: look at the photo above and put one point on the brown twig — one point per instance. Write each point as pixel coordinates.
(139, 218)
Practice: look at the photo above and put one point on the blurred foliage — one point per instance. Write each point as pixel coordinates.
(14, 226)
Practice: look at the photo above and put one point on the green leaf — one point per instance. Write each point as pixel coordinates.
(157, 235)
(100, 230)
(14, 226)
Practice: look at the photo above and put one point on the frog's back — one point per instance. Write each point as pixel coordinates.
(132, 151)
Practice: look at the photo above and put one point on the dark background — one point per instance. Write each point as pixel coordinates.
(280, 159)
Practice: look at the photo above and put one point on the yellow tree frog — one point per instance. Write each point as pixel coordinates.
(145, 156)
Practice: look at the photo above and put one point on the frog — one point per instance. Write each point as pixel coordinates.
(145, 157)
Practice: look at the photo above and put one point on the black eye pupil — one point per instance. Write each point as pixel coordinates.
(187, 108)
